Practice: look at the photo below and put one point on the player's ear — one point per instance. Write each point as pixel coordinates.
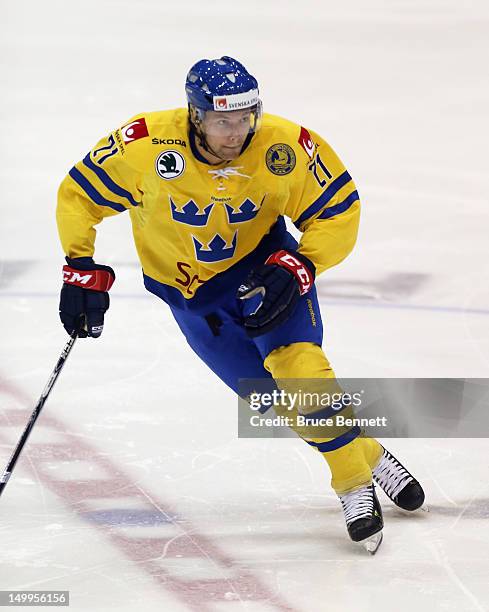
(195, 115)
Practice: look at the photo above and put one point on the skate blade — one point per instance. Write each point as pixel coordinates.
(421, 509)
(372, 543)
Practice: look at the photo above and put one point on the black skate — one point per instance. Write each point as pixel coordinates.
(397, 483)
(363, 516)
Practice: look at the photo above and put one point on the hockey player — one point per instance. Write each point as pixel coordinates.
(207, 188)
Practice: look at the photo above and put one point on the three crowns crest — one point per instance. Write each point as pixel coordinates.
(190, 214)
(217, 249)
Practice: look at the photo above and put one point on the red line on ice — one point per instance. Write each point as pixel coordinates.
(197, 594)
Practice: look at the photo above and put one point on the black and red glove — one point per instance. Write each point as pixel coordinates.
(84, 296)
(284, 277)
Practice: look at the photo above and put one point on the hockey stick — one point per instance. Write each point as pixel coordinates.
(37, 410)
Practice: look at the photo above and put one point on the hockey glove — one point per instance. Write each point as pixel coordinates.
(285, 276)
(84, 296)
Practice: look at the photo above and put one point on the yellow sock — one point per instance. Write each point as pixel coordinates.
(349, 467)
(372, 450)
(351, 464)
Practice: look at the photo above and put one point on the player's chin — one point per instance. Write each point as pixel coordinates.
(231, 152)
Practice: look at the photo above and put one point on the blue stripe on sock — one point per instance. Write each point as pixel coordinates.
(343, 440)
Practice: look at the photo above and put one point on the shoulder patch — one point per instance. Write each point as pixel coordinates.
(134, 130)
(280, 159)
(306, 142)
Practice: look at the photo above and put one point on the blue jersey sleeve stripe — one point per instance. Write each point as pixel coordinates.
(108, 182)
(91, 192)
(339, 208)
(324, 198)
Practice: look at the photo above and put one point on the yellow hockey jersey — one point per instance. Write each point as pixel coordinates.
(199, 228)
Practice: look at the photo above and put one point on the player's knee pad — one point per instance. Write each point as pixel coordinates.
(304, 373)
(298, 360)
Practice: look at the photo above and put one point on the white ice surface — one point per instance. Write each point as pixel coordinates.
(400, 90)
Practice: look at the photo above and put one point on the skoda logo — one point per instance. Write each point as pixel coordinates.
(170, 165)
